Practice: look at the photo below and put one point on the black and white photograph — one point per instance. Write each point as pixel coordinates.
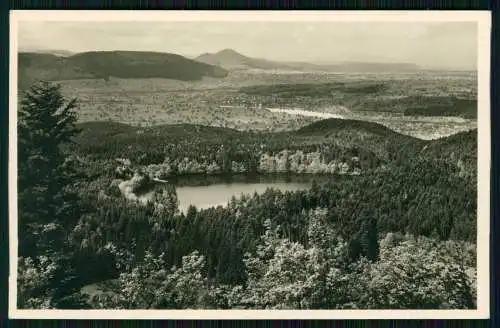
(233, 164)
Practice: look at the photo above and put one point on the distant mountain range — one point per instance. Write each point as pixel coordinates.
(106, 64)
(54, 65)
(232, 60)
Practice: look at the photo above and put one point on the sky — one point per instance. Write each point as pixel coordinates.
(450, 45)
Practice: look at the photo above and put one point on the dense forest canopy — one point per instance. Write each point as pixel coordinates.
(398, 232)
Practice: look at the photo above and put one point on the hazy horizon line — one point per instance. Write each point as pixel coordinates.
(194, 56)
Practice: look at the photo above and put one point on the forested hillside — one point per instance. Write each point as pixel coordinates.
(106, 64)
(231, 59)
(358, 145)
(388, 223)
(459, 149)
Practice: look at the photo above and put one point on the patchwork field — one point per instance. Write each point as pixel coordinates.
(426, 105)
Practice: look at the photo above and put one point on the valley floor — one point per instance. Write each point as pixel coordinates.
(243, 101)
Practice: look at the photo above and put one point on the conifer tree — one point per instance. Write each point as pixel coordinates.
(46, 206)
(369, 239)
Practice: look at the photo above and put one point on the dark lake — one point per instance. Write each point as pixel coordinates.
(208, 191)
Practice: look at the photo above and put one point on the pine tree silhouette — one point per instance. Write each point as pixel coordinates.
(46, 206)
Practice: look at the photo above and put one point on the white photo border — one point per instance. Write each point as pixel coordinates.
(482, 18)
